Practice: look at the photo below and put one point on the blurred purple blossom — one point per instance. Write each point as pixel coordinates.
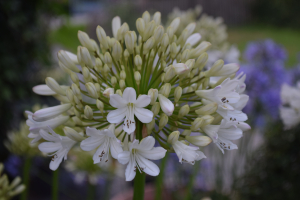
(13, 165)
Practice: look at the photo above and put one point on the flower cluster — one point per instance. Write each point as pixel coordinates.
(265, 68)
(9, 190)
(136, 89)
(290, 108)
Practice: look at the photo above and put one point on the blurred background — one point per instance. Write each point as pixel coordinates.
(262, 35)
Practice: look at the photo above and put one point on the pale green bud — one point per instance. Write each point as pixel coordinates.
(86, 57)
(153, 93)
(190, 63)
(177, 93)
(180, 68)
(207, 119)
(207, 109)
(95, 45)
(157, 18)
(175, 24)
(98, 65)
(122, 84)
(75, 89)
(70, 94)
(170, 73)
(162, 77)
(163, 121)
(112, 41)
(150, 126)
(53, 85)
(113, 81)
(64, 68)
(148, 45)
(100, 105)
(77, 113)
(72, 134)
(165, 89)
(74, 78)
(66, 61)
(77, 120)
(122, 31)
(102, 37)
(149, 30)
(138, 61)
(158, 34)
(119, 92)
(117, 51)
(86, 74)
(170, 32)
(88, 112)
(155, 108)
(77, 101)
(173, 50)
(200, 141)
(123, 75)
(85, 40)
(126, 54)
(173, 137)
(137, 77)
(185, 55)
(202, 47)
(196, 124)
(186, 132)
(109, 91)
(140, 25)
(130, 41)
(106, 70)
(92, 90)
(146, 17)
(184, 110)
(98, 87)
(217, 66)
(107, 59)
(163, 64)
(164, 42)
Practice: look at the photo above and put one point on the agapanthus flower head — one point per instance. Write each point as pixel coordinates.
(135, 88)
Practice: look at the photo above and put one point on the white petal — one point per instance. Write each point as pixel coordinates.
(200, 155)
(129, 95)
(49, 147)
(73, 57)
(116, 116)
(130, 170)
(124, 157)
(242, 102)
(51, 112)
(92, 142)
(116, 24)
(117, 101)
(115, 148)
(211, 131)
(244, 126)
(166, 105)
(193, 39)
(56, 160)
(50, 137)
(144, 115)
(147, 143)
(129, 125)
(230, 133)
(93, 132)
(149, 167)
(143, 101)
(154, 154)
(43, 90)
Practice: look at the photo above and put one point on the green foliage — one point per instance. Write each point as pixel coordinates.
(273, 172)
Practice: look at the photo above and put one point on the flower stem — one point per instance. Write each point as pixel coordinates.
(26, 173)
(191, 182)
(91, 191)
(139, 180)
(55, 185)
(160, 178)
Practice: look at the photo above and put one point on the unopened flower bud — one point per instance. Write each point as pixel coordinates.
(123, 75)
(126, 54)
(122, 31)
(54, 86)
(157, 18)
(184, 110)
(100, 105)
(185, 55)
(158, 34)
(107, 59)
(166, 105)
(201, 61)
(148, 45)
(149, 30)
(74, 78)
(150, 126)
(113, 81)
(70, 94)
(164, 42)
(75, 89)
(193, 39)
(146, 17)
(138, 61)
(117, 51)
(140, 25)
(137, 77)
(170, 32)
(64, 68)
(86, 74)
(86, 57)
(165, 89)
(173, 50)
(196, 124)
(170, 73)
(177, 93)
(207, 119)
(50, 112)
(91, 90)
(175, 24)
(43, 90)
(200, 141)
(108, 92)
(153, 93)
(119, 92)
(66, 61)
(217, 66)
(186, 132)
(72, 134)
(130, 41)
(85, 40)
(122, 84)
(88, 112)
(106, 70)
(102, 37)
(155, 108)
(173, 137)
(98, 65)
(98, 87)
(207, 109)
(227, 70)
(77, 120)
(163, 121)
(202, 47)
(180, 68)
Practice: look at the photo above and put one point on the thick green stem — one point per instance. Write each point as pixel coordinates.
(26, 173)
(55, 176)
(160, 178)
(139, 180)
(91, 193)
(191, 182)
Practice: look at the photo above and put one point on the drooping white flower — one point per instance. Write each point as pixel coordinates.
(223, 134)
(139, 156)
(50, 112)
(223, 94)
(185, 153)
(128, 106)
(106, 142)
(36, 126)
(58, 145)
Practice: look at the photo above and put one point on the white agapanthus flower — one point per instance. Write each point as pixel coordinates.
(58, 145)
(128, 106)
(106, 142)
(290, 110)
(139, 155)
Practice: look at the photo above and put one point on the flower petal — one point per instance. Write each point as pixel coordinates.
(115, 148)
(49, 147)
(166, 105)
(129, 95)
(147, 143)
(193, 39)
(154, 154)
(130, 169)
(124, 157)
(116, 116)
(148, 166)
(92, 142)
(143, 101)
(144, 115)
(93, 132)
(116, 24)
(117, 101)
(56, 160)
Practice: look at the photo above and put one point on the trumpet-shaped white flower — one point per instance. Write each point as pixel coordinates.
(51, 112)
(36, 126)
(105, 140)
(223, 134)
(223, 94)
(58, 145)
(139, 156)
(128, 106)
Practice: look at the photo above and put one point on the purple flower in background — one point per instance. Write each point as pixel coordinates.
(265, 69)
(13, 165)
